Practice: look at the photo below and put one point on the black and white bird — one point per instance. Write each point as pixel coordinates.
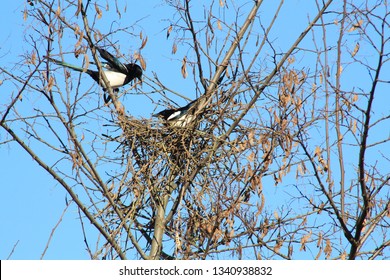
(179, 117)
(117, 73)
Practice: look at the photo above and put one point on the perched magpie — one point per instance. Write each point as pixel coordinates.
(117, 73)
(179, 117)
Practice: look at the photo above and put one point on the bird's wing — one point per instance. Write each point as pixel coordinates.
(112, 61)
(187, 107)
(175, 115)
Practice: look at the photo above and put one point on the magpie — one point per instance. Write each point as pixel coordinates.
(117, 73)
(179, 117)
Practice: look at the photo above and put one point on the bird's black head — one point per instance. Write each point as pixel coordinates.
(164, 114)
(135, 70)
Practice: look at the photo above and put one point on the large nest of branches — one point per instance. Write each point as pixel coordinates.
(151, 142)
(156, 156)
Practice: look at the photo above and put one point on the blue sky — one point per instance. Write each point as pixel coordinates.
(32, 203)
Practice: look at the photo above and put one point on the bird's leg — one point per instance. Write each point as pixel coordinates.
(106, 97)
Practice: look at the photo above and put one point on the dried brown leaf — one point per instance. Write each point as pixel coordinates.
(356, 26)
(251, 157)
(58, 12)
(86, 59)
(25, 15)
(142, 62)
(388, 210)
(278, 245)
(304, 240)
(184, 68)
(249, 172)
(80, 40)
(313, 87)
(276, 215)
(298, 104)
(76, 30)
(343, 256)
(169, 30)
(177, 240)
(321, 207)
(98, 11)
(33, 59)
(251, 137)
(76, 160)
(356, 49)
(264, 228)
(260, 206)
(78, 51)
(354, 126)
(290, 250)
(174, 48)
(291, 59)
(50, 84)
(276, 117)
(317, 151)
(328, 249)
(303, 75)
(219, 26)
(136, 192)
(319, 240)
(144, 41)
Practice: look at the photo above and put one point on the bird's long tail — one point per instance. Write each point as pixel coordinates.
(62, 63)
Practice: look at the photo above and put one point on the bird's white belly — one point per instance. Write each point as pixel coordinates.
(116, 79)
